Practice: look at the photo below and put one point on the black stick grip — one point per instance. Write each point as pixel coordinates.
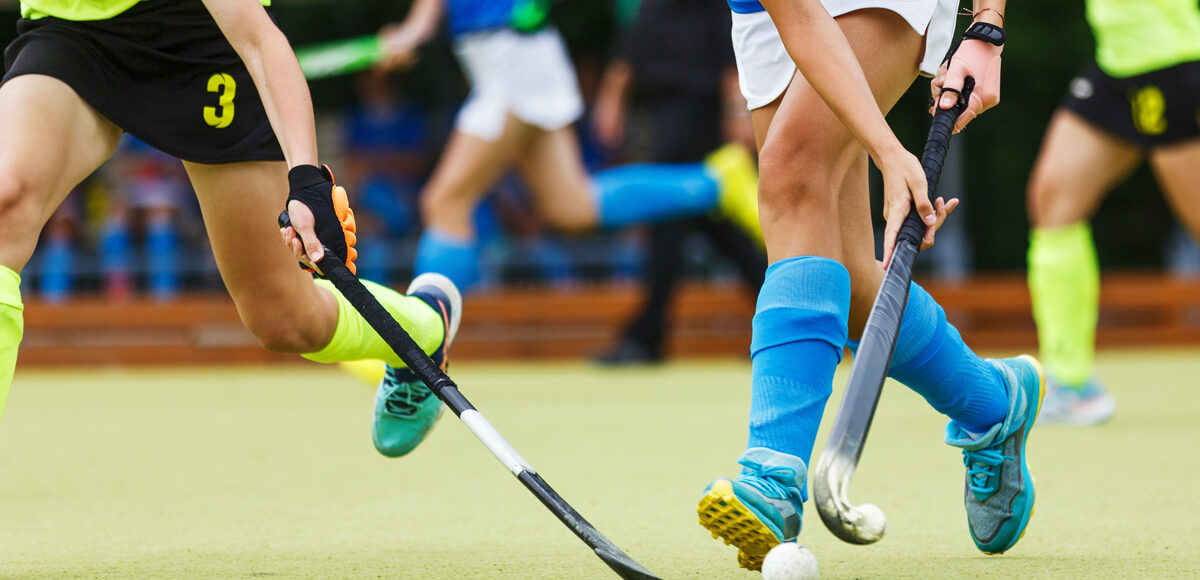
(334, 269)
(932, 159)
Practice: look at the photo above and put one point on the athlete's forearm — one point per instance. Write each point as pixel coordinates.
(616, 82)
(423, 20)
(823, 55)
(277, 76)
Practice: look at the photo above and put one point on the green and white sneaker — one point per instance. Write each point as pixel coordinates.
(405, 409)
(759, 509)
(999, 490)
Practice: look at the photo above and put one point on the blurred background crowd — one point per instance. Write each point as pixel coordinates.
(133, 228)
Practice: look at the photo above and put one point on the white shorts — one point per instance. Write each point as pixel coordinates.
(527, 75)
(765, 69)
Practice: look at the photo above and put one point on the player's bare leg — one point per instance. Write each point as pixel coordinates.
(469, 166)
(806, 156)
(1177, 169)
(280, 303)
(1076, 167)
(552, 167)
(276, 300)
(50, 140)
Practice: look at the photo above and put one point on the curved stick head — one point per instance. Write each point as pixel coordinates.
(861, 524)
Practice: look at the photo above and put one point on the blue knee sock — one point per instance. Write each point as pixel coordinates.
(649, 193)
(162, 259)
(799, 332)
(457, 259)
(932, 359)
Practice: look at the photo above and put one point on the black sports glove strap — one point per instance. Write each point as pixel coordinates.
(313, 186)
(987, 32)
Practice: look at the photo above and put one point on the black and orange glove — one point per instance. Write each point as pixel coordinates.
(333, 221)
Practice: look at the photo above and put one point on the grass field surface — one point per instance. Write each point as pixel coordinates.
(246, 473)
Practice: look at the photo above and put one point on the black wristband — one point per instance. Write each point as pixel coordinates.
(302, 176)
(987, 32)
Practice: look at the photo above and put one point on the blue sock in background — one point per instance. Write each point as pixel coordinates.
(649, 193)
(799, 334)
(57, 267)
(162, 258)
(457, 259)
(932, 359)
(116, 253)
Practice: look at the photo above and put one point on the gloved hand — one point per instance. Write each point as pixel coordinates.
(318, 217)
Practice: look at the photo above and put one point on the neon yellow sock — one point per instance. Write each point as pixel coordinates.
(12, 326)
(1064, 283)
(354, 339)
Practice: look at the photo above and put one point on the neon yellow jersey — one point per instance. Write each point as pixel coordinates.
(80, 10)
(1138, 36)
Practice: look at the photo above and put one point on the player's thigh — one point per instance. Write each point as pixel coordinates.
(552, 167)
(468, 168)
(277, 300)
(1077, 165)
(50, 140)
(807, 151)
(1177, 168)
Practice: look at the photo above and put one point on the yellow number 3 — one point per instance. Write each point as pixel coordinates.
(1149, 110)
(225, 85)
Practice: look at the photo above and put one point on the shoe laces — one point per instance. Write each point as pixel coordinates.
(404, 393)
(767, 479)
(981, 469)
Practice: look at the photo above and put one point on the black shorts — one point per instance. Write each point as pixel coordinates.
(1153, 109)
(162, 71)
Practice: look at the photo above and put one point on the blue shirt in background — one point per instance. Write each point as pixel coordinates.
(467, 16)
(745, 6)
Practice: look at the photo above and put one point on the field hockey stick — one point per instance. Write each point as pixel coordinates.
(865, 524)
(406, 348)
(339, 57)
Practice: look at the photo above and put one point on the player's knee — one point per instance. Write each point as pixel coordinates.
(791, 176)
(1046, 203)
(15, 195)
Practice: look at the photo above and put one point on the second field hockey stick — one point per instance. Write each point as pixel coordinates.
(865, 524)
(407, 349)
(339, 57)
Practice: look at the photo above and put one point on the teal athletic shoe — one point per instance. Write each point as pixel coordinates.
(1076, 405)
(759, 509)
(405, 409)
(999, 490)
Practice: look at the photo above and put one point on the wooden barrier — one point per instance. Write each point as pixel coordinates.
(539, 323)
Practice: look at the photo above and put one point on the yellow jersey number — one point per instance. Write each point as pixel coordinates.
(221, 116)
(1149, 108)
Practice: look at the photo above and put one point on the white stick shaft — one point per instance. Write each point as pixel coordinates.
(495, 442)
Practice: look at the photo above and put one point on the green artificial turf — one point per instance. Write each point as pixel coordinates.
(242, 472)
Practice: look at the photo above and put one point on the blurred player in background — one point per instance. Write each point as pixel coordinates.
(1139, 100)
(676, 57)
(215, 84)
(524, 100)
(815, 128)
